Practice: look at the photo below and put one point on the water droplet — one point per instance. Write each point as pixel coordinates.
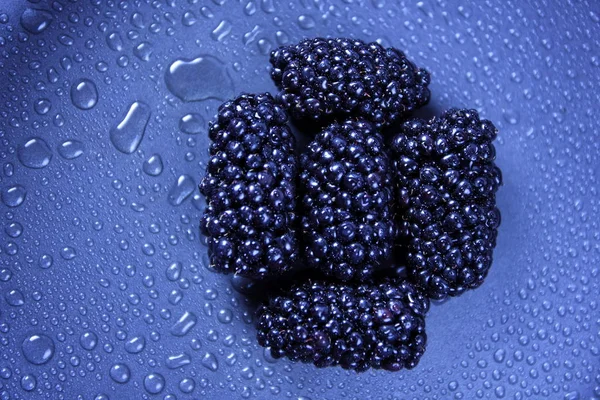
(127, 135)
(202, 78)
(35, 153)
(120, 373)
(221, 31)
(28, 382)
(46, 261)
(68, 253)
(35, 21)
(154, 383)
(135, 345)
(71, 149)
(143, 51)
(14, 298)
(187, 385)
(178, 360)
(42, 106)
(88, 340)
(184, 324)
(192, 124)
(511, 116)
(153, 166)
(38, 349)
(210, 362)
(114, 41)
(84, 94)
(14, 230)
(14, 196)
(182, 189)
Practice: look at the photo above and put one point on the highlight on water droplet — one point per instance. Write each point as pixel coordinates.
(182, 189)
(84, 94)
(14, 196)
(153, 166)
(35, 153)
(38, 349)
(184, 324)
(120, 373)
(71, 149)
(201, 78)
(128, 133)
(154, 383)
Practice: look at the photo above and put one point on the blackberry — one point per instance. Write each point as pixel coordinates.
(447, 182)
(250, 189)
(378, 326)
(348, 227)
(325, 78)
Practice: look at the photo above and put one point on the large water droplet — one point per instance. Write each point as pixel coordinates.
(14, 196)
(182, 189)
(38, 349)
(184, 324)
(192, 124)
(35, 153)
(84, 94)
(202, 78)
(34, 20)
(153, 166)
(127, 135)
(70, 149)
(120, 373)
(154, 383)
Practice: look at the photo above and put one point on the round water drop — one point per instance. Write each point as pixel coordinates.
(153, 166)
(14, 196)
(14, 298)
(14, 230)
(135, 345)
(127, 134)
(225, 316)
(187, 385)
(192, 124)
(46, 261)
(143, 51)
(70, 149)
(114, 41)
(202, 78)
(88, 340)
(35, 21)
(38, 349)
(84, 94)
(42, 106)
(154, 383)
(120, 373)
(68, 253)
(35, 153)
(28, 383)
(182, 189)
(174, 271)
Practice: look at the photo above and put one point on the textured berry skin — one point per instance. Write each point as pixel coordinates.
(348, 227)
(250, 189)
(325, 78)
(447, 182)
(378, 326)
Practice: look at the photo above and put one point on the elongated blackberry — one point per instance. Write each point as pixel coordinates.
(447, 182)
(250, 188)
(348, 227)
(378, 326)
(325, 78)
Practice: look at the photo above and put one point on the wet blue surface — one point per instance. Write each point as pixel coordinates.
(104, 290)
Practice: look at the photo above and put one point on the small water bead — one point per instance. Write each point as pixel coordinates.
(84, 94)
(35, 153)
(38, 349)
(120, 373)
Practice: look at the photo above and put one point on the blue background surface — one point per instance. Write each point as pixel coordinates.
(104, 290)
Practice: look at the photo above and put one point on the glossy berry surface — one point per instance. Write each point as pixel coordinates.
(379, 326)
(345, 179)
(325, 78)
(447, 181)
(250, 189)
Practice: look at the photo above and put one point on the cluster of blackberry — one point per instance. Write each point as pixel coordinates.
(348, 201)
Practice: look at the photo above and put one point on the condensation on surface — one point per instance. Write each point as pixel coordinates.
(104, 288)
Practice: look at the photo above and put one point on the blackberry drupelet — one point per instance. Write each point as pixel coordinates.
(379, 326)
(250, 189)
(321, 79)
(348, 227)
(447, 181)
